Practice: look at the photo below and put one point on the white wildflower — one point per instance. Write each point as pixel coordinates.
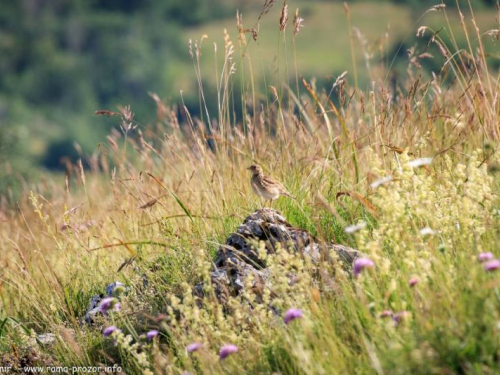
(354, 228)
(420, 162)
(381, 181)
(427, 231)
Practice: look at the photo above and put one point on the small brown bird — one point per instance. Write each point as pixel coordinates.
(265, 186)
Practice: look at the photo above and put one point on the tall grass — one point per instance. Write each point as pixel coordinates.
(415, 163)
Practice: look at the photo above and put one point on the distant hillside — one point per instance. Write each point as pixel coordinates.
(62, 59)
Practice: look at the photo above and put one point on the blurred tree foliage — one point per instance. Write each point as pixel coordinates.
(62, 59)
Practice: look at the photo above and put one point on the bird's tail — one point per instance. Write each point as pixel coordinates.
(286, 193)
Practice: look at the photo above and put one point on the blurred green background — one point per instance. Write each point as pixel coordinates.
(60, 60)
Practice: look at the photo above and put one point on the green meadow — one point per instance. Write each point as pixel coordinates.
(113, 264)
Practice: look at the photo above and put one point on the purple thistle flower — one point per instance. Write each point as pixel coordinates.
(413, 281)
(109, 303)
(152, 334)
(360, 264)
(292, 314)
(492, 265)
(483, 257)
(194, 347)
(400, 316)
(227, 350)
(109, 331)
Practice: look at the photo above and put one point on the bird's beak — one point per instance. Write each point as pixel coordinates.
(249, 168)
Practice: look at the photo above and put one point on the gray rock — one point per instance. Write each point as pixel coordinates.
(111, 288)
(43, 339)
(93, 307)
(46, 339)
(237, 258)
(344, 253)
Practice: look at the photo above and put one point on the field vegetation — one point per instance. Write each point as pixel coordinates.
(404, 169)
